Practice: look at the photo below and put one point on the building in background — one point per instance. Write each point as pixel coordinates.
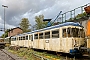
(14, 31)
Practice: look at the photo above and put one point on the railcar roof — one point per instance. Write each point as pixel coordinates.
(60, 25)
(56, 26)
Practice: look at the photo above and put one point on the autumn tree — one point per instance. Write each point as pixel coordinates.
(39, 22)
(24, 25)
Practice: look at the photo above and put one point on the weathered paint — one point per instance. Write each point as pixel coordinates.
(88, 43)
(88, 28)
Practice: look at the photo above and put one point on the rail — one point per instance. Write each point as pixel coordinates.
(8, 54)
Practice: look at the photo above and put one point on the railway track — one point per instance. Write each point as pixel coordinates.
(5, 56)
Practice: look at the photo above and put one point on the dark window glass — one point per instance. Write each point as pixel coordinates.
(19, 38)
(23, 37)
(55, 34)
(31, 38)
(69, 32)
(35, 36)
(82, 34)
(64, 34)
(47, 35)
(27, 37)
(40, 35)
(14, 39)
(75, 32)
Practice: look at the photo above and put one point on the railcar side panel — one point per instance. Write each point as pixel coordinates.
(26, 43)
(35, 43)
(55, 44)
(41, 44)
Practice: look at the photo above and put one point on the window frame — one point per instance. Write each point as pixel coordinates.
(36, 36)
(55, 33)
(26, 37)
(47, 35)
(41, 35)
(64, 33)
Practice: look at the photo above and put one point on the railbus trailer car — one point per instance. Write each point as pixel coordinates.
(67, 38)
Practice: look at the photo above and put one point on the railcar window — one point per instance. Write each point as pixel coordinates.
(19, 38)
(75, 32)
(82, 33)
(27, 37)
(64, 33)
(31, 38)
(69, 32)
(55, 34)
(14, 39)
(40, 35)
(79, 33)
(36, 36)
(47, 35)
(23, 37)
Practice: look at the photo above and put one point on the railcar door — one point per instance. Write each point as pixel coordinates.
(41, 41)
(66, 39)
(55, 41)
(47, 40)
(35, 41)
(26, 41)
(32, 41)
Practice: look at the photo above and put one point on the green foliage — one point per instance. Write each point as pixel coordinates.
(24, 25)
(39, 22)
(6, 34)
(81, 15)
(30, 54)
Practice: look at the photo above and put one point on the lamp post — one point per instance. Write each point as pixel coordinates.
(4, 18)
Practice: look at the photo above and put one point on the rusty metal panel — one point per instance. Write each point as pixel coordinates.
(87, 9)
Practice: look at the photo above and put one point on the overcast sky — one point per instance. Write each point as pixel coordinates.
(18, 9)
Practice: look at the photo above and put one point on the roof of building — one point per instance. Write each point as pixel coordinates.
(15, 28)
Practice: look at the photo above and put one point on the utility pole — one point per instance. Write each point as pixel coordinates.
(4, 18)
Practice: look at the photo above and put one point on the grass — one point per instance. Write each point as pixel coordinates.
(28, 54)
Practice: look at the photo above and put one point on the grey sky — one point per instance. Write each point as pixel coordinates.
(18, 9)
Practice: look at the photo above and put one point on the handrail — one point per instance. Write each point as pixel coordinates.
(72, 13)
